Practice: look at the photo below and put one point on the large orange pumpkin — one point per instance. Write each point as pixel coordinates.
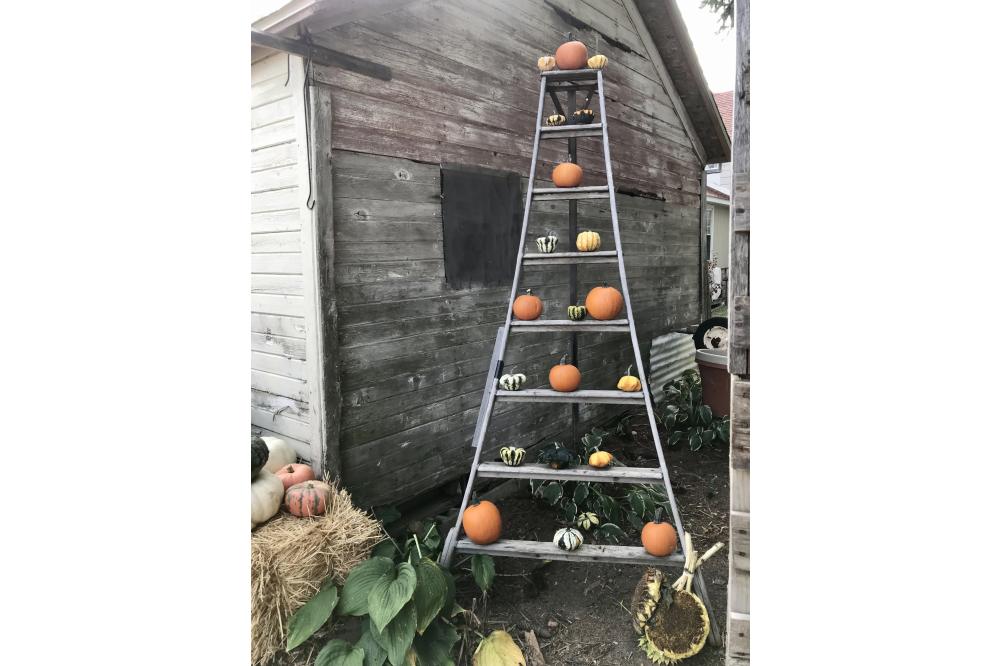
(310, 498)
(527, 306)
(565, 376)
(567, 174)
(294, 473)
(659, 538)
(571, 55)
(604, 303)
(481, 522)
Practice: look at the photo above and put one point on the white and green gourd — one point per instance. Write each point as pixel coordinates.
(587, 520)
(547, 244)
(568, 538)
(512, 456)
(512, 382)
(576, 312)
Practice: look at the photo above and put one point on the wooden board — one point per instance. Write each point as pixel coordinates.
(546, 550)
(561, 193)
(564, 325)
(583, 395)
(615, 474)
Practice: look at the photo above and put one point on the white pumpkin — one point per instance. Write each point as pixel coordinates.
(568, 538)
(266, 493)
(280, 454)
(512, 382)
(546, 244)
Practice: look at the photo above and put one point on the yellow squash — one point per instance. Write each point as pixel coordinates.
(588, 241)
(629, 383)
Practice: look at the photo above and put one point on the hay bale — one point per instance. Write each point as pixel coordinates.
(289, 559)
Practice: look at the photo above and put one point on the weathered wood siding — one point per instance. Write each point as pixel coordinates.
(280, 374)
(413, 352)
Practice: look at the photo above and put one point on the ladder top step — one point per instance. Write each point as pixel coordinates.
(612, 397)
(570, 75)
(613, 474)
(546, 550)
(610, 326)
(570, 131)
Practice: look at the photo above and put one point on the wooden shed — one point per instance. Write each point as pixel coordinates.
(390, 144)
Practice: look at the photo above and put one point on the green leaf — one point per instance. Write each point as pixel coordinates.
(310, 617)
(635, 500)
(375, 654)
(569, 510)
(674, 437)
(611, 531)
(695, 442)
(387, 514)
(354, 596)
(535, 485)
(385, 549)
(498, 649)
(670, 420)
(397, 636)
(581, 492)
(432, 539)
(430, 594)
(449, 598)
(433, 648)
(390, 593)
(705, 412)
(636, 521)
(483, 571)
(340, 653)
(552, 493)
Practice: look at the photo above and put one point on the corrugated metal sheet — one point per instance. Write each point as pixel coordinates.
(669, 356)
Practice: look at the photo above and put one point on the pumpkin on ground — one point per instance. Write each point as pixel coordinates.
(588, 241)
(567, 174)
(600, 459)
(512, 382)
(571, 55)
(564, 377)
(512, 456)
(547, 244)
(587, 520)
(266, 492)
(659, 538)
(527, 306)
(604, 302)
(546, 63)
(309, 498)
(596, 62)
(258, 455)
(280, 453)
(568, 538)
(294, 473)
(576, 312)
(481, 522)
(629, 383)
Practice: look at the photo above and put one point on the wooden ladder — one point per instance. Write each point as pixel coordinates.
(571, 82)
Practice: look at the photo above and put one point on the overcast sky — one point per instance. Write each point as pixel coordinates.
(716, 52)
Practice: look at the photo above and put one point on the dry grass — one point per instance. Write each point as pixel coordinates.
(289, 559)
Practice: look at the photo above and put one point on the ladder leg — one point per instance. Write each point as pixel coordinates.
(713, 626)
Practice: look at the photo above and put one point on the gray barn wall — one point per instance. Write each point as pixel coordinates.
(413, 352)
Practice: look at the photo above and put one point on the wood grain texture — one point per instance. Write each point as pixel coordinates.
(546, 550)
(615, 474)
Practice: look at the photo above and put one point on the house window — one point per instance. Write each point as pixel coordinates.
(481, 215)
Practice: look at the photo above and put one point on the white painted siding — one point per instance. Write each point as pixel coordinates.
(282, 377)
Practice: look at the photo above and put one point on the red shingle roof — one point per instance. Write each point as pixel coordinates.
(724, 101)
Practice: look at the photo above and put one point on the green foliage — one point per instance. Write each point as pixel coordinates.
(390, 593)
(340, 653)
(721, 8)
(684, 416)
(308, 619)
(614, 505)
(483, 571)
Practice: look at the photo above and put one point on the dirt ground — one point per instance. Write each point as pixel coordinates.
(578, 611)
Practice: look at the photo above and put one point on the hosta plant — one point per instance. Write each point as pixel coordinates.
(684, 416)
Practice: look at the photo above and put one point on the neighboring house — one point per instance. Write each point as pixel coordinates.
(371, 331)
(720, 182)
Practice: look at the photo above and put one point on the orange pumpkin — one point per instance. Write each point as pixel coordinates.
(527, 306)
(659, 538)
(310, 498)
(481, 522)
(565, 376)
(567, 174)
(571, 55)
(604, 303)
(600, 459)
(294, 473)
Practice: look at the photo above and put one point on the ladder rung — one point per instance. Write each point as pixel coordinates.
(570, 75)
(555, 193)
(569, 131)
(546, 550)
(614, 474)
(556, 325)
(602, 396)
(599, 257)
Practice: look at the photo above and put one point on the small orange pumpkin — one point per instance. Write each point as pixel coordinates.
(310, 498)
(294, 473)
(600, 459)
(527, 306)
(604, 302)
(565, 376)
(571, 55)
(659, 538)
(481, 522)
(567, 174)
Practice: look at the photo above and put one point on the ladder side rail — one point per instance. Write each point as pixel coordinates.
(628, 309)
